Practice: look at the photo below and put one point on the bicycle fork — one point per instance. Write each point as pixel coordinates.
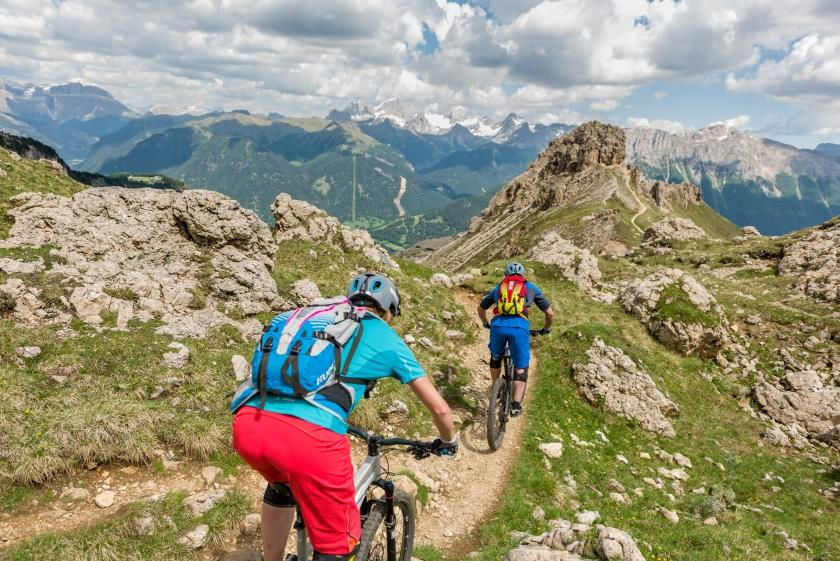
(390, 518)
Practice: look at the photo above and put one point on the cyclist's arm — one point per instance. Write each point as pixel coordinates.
(485, 304)
(482, 315)
(545, 307)
(440, 410)
(549, 317)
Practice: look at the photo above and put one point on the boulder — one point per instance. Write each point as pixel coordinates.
(611, 379)
(28, 352)
(204, 501)
(553, 450)
(178, 357)
(442, 280)
(616, 545)
(687, 320)
(210, 473)
(12, 266)
(105, 499)
(173, 254)
(672, 229)
(750, 232)
(814, 408)
(302, 221)
(195, 538)
(305, 291)
(75, 494)
(802, 381)
(814, 262)
(540, 553)
(241, 368)
(577, 265)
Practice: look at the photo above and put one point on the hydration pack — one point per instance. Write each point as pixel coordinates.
(300, 356)
(513, 296)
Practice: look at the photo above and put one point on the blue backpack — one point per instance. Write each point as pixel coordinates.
(303, 359)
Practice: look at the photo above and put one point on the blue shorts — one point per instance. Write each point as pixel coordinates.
(519, 340)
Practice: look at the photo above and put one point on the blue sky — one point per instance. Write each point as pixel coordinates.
(768, 66)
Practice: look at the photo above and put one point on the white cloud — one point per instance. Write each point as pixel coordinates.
(662, 124)
(606, 105)
(660, 95)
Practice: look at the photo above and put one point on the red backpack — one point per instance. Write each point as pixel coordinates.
(512, 297)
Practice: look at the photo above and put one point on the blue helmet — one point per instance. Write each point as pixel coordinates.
(375, 289)
(514, 269)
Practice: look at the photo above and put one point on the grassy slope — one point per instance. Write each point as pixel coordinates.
(711, 425)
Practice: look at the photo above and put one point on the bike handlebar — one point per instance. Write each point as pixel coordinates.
(420, 449)
(532, 332)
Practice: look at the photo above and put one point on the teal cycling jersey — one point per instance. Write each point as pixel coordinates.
(381, 354)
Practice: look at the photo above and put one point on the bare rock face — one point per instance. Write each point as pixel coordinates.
(302, 221)
(612, 379)
(589, 144)
(305, 292)
(674, 228)
(802, 405)
(815, 262)
(577, 265)
(678, 311)
(144, 252)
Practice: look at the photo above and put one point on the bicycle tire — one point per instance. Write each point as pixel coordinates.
(497, 414)
(372, 550)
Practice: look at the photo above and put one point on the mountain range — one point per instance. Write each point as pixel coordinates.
(406, 176)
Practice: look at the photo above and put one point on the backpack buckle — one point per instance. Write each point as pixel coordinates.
(296, 348)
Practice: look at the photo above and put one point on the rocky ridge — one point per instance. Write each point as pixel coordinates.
(815, 262)
(144, 253)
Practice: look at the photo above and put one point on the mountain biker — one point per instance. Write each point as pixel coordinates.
(303, 452)
(513, 298)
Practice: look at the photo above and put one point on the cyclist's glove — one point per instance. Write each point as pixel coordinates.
(545, 331)
(443, 448)
(486, 325)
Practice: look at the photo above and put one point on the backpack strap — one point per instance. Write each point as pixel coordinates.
(368, 383)
(267, 345)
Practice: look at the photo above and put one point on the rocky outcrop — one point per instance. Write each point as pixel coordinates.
(612, 379)
(672, 195)
(814, 261)
(802, 404)
(299, 220)
(590, 144)
(672, 229)
(566, 541)
(577, 265)
(678, 311)
(139, 253)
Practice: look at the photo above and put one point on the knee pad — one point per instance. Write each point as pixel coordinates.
(279, 495)
(495, 362)
(520, 376)
(318, 556)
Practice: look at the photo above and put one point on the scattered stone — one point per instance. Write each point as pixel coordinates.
(104, 499)
(814, 262)
(75, 494)
(682, 461)
(426, 342)
(178, 358)
(28, 352)
(616, 545)
(614, 485)
(588, 517)
(204, 501)
(454, 335)
(614, 381)
(623, 459)
(304, 292)
(461, 279)
(618, 498)
(753, 320)
(241, 368)
(644, 455)
(13, 266)
(553, 450)
(672, 229)
(144, 526)
(396, 413)
(677, 474)
(210, 473)
(410, 339)
(442, 280)
(711, 521)
(252, 523)
(669, 515)
(538, 513)
(750, 232)
(196, 537)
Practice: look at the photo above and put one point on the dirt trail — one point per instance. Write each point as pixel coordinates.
(643, 210)
(398, 199)
(466, 488)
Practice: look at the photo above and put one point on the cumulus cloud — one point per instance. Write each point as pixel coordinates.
(662, 124)
(740, 122)
(535, 57)
(660, 95)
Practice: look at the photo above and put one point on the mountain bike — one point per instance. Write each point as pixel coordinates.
(388, 521)
(501, 397)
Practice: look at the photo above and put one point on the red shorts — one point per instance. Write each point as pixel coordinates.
(315, 463)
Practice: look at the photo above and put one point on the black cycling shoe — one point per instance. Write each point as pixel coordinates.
(515, 409)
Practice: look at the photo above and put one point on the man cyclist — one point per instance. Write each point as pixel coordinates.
(302, 451)
(513, 298)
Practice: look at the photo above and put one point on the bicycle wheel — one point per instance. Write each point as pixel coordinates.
(497, 413)
(374, 544)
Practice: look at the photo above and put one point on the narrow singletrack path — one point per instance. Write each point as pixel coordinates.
(643, 210)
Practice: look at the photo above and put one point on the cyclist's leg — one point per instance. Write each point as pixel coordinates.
(520, 352)
(498, 339)
(251, 430)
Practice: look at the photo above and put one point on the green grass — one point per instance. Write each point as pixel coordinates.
(422, 490)
(675, 305)
(120, 539)
(710, 424)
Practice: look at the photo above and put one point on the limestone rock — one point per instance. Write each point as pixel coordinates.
(210, 473)
(813, 408)
(814, 261)
(672, 229)
(75, 494)
(178, 358)
(577, 265)
(703, 332)
(144, 526)
(12, 266)
(540, 553)
(612, 379)
(196, 537)
(104, 499)
(303, 221)
(802, 381)
(442, 280)
(397, 412)
(175, 253)
(251, 524)
(553, 450)
(204, 501)
(669, 515)
(617, 545)
(241, 368)
(305, 291)
(750, 232)
(28, 352)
